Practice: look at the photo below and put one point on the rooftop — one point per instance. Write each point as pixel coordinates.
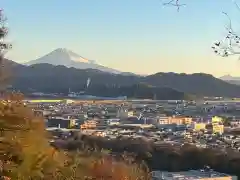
(184, 175)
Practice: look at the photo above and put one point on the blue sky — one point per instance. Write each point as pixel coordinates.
(130, 35)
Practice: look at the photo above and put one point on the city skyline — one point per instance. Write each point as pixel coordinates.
(136, 36)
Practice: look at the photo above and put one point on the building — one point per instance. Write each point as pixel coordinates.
(192, 174)
(60, 122)
(89, 124)
(135, 126)
(67, 101)
(99, 133)
(216, 120)
(122, 113)
(235, 122)
(199, 126)
(179, 120)
(114, 121)
(111, 112)
(130, 113)
(218, 129)
(217, 125)
(46, 101)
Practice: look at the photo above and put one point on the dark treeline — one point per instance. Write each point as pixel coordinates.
(134, 91)
(49, 78)
(165, 156)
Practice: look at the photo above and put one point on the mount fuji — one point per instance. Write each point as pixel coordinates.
(229, 78)
(65, 57)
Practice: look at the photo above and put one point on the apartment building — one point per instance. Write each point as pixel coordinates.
(179, 120)
(89, 124)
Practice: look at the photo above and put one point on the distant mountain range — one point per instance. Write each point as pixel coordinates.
(230, 79)
(65, 57)
(50, 78)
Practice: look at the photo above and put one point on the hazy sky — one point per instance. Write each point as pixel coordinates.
(130, 35)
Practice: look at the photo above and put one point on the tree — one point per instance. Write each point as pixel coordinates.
(230, 45)
(23, 155)
(3, 48)
(25, 152)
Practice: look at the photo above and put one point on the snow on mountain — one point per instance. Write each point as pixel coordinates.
(65, 57)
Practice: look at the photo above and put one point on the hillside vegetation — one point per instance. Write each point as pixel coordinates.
(25, 152)
(165, 156)
(61, 78)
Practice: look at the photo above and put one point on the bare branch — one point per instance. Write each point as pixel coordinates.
(230, 45)
(174, 3)
(236, 4)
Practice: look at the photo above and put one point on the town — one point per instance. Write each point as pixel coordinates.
(119, 90)
(205, 124)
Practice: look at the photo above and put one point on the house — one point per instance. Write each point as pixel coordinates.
(61, 122)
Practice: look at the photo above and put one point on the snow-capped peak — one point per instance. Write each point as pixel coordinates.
(229, 78)
(73, 56)
(61, 56)
(65, 57)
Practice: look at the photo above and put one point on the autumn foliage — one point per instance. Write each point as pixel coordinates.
(25, 152)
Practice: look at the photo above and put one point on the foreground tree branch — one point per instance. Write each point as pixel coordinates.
(174, 3)
(230, 44)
